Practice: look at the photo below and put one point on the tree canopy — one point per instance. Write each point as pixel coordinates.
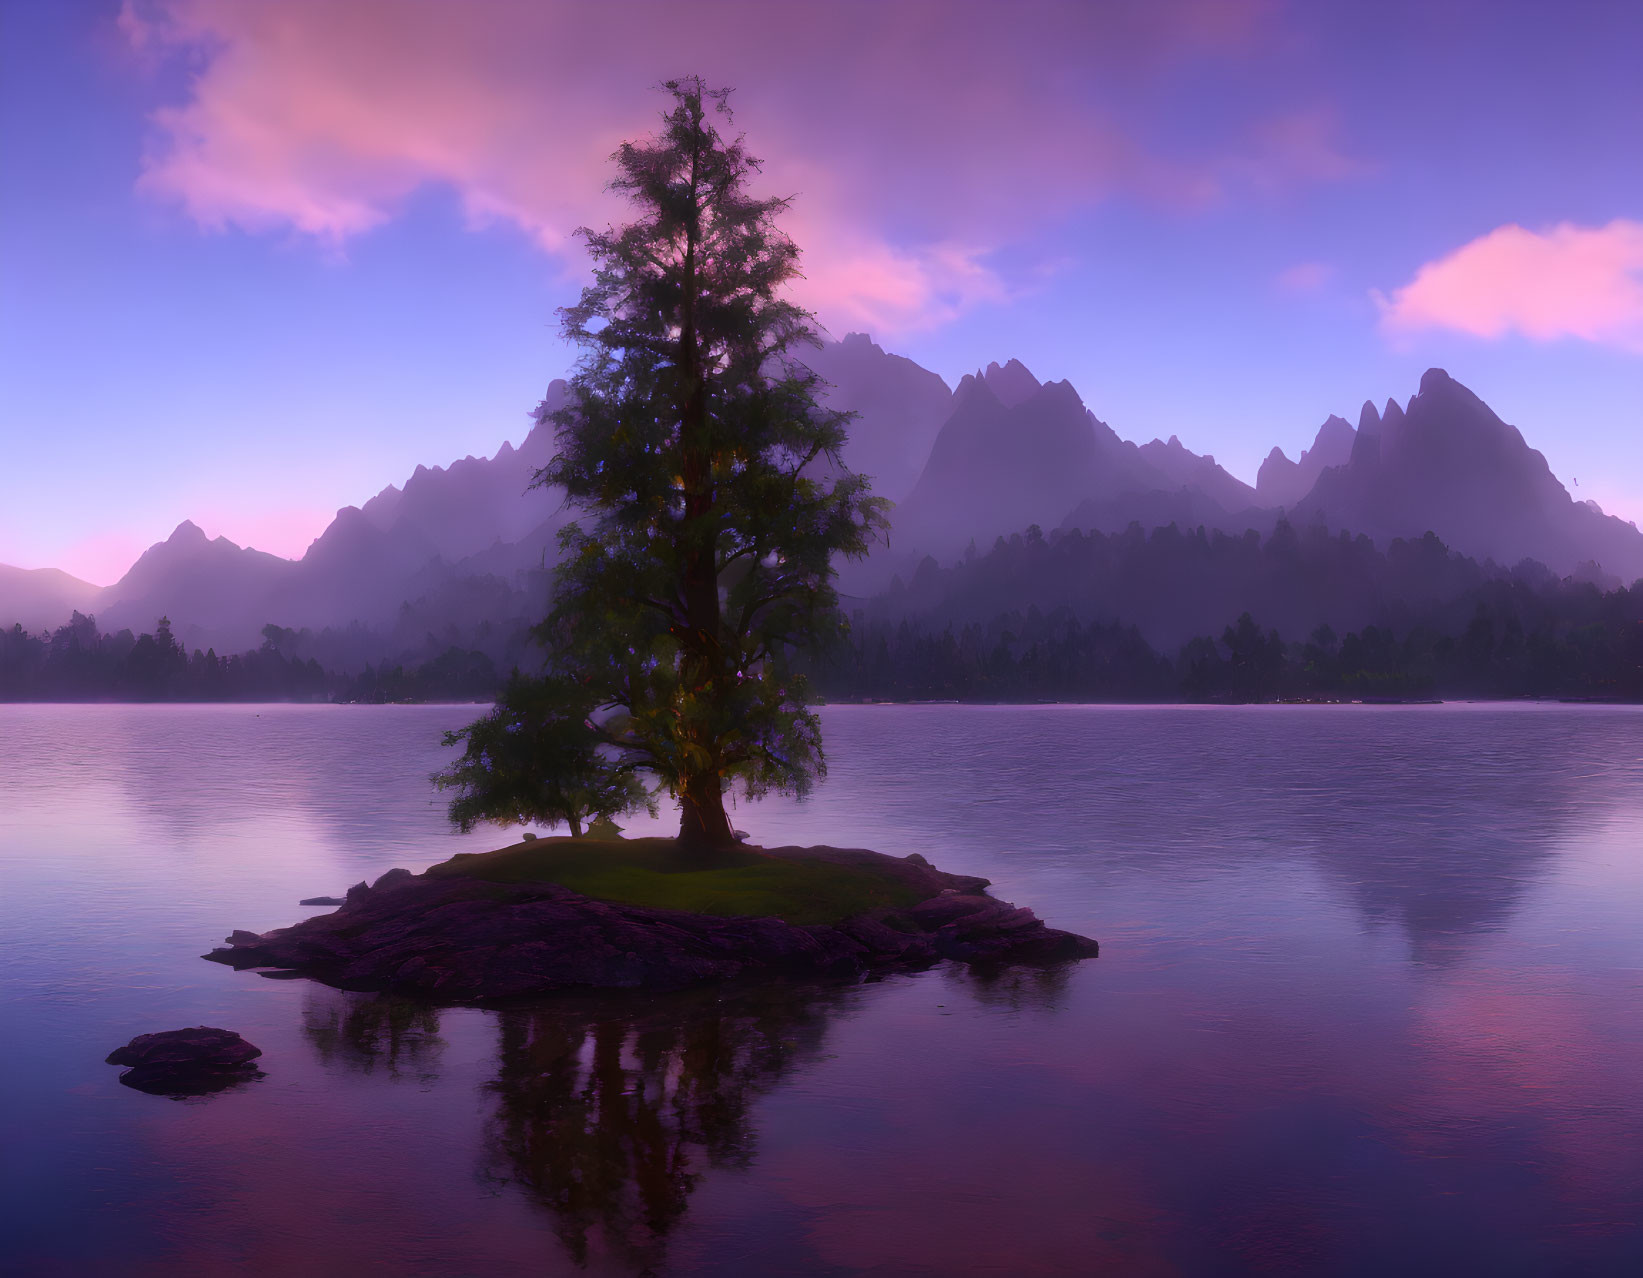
(706, 475)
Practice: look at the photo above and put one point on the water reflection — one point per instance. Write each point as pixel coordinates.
(1370, 1001)
(189, 1086)
(391, 1037)
(1016, 989)
(1434, 821)
(609, 1118)
(1437, 821)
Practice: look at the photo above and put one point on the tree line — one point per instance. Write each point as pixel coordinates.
(1175, 584)
(77, 662)
(1504, 651)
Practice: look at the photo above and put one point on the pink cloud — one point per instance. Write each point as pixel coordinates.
(1569, 281)
(919, 137)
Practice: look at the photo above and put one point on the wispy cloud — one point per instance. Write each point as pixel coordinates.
(1305, 277)
(1565, 282)
(920, 137)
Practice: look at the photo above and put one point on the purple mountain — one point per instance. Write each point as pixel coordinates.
(476, 517)
(1448, 464)
(1011, 382)
(470, 505)
(1000, 453)
(1016, 452)
(209, 584)
(1186, 469)
(1281, 482)
(997, 467)
(900, 408)
(37, 598)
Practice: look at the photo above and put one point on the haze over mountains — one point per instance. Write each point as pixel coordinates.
(39, 597)
(1449, 464)
(1281, 482)
(469, 545)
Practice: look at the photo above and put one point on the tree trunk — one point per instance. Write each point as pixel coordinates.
(703, 821)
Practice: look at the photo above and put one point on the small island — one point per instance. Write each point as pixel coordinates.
(712, 509)
(545, 915)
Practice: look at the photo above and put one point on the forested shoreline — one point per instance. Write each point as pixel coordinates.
(1445, 626)
(76, 662)
(1314, 615)
(1055, 657)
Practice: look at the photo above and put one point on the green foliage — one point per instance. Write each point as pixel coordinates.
(708, 479)
(536, 757)
(649, 872)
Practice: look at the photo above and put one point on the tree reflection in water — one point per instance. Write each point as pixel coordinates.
(1015, 988)
(609, 1115)
(373, 1034)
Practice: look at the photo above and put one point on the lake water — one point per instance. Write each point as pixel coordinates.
(1370, 1000)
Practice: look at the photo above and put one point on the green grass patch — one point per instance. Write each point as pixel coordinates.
(657, 873)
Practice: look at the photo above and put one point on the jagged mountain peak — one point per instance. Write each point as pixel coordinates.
(1003, 451)
(1011, 381)
(1281, 482)
(1437, 380)
(1174, 448)
(1449, 464)
(974, 389)
(1184, 469)
(899, 405)
(1335, 427)
(1061, 395)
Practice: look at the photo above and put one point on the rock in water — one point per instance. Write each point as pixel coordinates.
(187, 1062)
(321, 900)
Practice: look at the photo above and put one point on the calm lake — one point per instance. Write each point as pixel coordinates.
(1370, 1000)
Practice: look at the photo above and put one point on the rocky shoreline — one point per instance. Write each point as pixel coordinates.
(454, 939)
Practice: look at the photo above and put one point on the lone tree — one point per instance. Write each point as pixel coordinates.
(711, 493)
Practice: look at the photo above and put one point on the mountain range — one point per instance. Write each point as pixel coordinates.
(469, 544)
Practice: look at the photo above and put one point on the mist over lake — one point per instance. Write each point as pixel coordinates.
(1368, 1000)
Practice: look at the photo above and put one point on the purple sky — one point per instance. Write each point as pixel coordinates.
(259, 260)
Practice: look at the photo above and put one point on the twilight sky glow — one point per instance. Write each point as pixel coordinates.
(258, 260)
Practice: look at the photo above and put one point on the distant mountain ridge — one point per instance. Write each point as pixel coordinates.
(35, 598)
(899, 408)
(1281, 482)
(470, 505)
(1018, 452)
(1000, 452)
(1001, 463)
(1449, 464)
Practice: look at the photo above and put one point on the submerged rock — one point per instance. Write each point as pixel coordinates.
(187, 1062)
(452, 938)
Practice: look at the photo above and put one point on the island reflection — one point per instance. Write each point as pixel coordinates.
(607, 1111)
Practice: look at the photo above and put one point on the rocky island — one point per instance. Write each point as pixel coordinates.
(557, 914)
